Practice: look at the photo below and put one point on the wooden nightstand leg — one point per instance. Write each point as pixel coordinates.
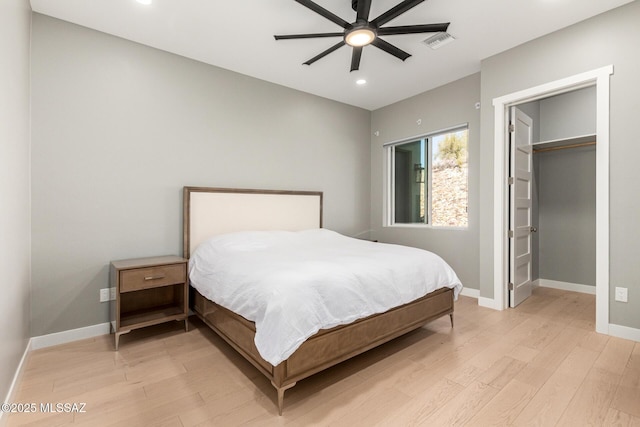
(118, 337)
(186, 324)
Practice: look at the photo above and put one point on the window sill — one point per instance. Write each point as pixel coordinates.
(426, 227)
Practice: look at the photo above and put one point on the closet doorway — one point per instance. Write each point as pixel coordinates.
(552, 194)
(600, 79)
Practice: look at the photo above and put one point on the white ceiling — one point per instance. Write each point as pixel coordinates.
(238, 35)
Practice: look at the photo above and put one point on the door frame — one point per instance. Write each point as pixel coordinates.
(600, 79)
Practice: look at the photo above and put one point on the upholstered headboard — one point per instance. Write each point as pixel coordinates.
(211, 211)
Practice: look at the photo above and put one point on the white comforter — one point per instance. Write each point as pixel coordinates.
(292, 284)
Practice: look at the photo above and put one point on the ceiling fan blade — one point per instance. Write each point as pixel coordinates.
(391, 49)
(364, 6)
(307, 36)
(413, 29)
(324, 12)
(395, 12)
(325, 53)
(355, 58)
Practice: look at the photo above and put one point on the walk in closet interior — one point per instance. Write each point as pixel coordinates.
(564, 190)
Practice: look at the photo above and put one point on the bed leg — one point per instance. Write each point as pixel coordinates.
(451, 317)
(280, 400)
(281, 391)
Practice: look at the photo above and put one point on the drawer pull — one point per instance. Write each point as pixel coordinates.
(153, 277)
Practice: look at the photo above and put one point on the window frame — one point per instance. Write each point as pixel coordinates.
(390, 172)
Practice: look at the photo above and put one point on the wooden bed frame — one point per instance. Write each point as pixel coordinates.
(211, 211)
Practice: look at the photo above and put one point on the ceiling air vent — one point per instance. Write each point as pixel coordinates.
(438, 40)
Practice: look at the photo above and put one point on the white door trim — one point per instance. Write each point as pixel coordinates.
(600, 78)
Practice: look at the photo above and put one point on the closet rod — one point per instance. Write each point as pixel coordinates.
(563, 147)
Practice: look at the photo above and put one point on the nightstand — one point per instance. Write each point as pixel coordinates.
(148, 291)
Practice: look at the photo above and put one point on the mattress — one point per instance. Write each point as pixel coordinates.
(293, 284)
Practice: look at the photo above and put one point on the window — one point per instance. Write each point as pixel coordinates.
(427, 180)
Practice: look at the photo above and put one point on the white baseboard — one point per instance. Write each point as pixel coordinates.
(472, 293)
(625, 332)
(64, 337)
(49, 340)
(16, 379)
(488, 303)
(565, 286)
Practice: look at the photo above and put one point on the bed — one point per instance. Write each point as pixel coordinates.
(214, 215)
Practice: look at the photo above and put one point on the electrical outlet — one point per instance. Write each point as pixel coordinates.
(112, 294)
(621, 294)
(104, 295)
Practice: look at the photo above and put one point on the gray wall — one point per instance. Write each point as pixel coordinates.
(119, 129)
(15, 229)
(610, 38)
(446, 106)
(564, 191)
(567, 215)
(568, 115)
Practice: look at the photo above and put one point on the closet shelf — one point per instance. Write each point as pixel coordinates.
(581, 140)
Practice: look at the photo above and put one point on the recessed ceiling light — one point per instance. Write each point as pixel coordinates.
(145, 2)
(361, 82)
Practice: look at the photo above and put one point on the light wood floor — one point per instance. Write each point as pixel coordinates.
(540, 364)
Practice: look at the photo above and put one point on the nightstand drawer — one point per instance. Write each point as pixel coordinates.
(152, 277)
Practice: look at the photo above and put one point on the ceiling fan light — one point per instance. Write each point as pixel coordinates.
(360, 37)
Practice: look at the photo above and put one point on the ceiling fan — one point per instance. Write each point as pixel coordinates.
(363, 32)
